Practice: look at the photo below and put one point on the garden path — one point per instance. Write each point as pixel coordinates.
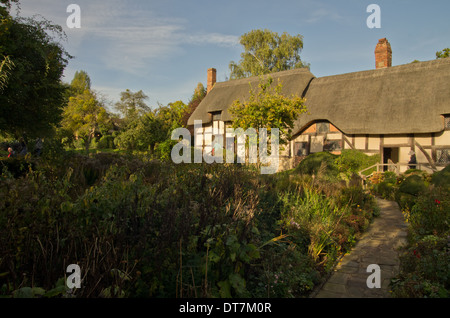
(378, 245)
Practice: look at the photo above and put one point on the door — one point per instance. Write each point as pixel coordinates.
(390, 155)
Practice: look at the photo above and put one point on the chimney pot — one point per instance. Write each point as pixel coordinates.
(383, 54)
(211, 80)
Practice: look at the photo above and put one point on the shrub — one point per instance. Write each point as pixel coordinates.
(426, 259)
(430, 213)
(141, 228)
(352, 161)
(320, 162)
(442, 178)
(413, 184)
(106, 142)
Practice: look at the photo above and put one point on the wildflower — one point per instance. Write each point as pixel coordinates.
(417, 254)
(437, 201)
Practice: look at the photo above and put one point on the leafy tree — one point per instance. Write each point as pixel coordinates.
(83, 116)
(443, 54)
(197, 97)
(267, 52)
(6, 67)
(152, 130)
(143, 133)
(33, 61)
(172, 115)
(268, 108)
(132, 105)
(81, 82)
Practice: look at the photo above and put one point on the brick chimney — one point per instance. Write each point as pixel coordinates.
(211, 79)
(383, 54)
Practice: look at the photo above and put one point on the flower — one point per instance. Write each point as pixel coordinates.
(437, 201)
(417, 254)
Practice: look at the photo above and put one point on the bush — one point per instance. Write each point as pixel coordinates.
(106, 142)
(319, 163)
(425, 261)
(442, 178)
(430, 213)
(352, 161)
(142, 228)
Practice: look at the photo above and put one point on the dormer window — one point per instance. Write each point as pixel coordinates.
(447, 122)
(216, 116)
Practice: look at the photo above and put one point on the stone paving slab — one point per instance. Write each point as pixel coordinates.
(379, 245)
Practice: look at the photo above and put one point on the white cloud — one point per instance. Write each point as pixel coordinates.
(128, 37)
(324, 13)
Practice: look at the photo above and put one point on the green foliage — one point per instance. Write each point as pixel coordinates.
(197, 97)
(132, 105)
(6, 66)
(141, 228)
(80, 83)
(32, 93)
(336, 167)
(413, 184)
(442, 178)
(443, 54)
(267, 52)
(83, 116)
(352, 161)
(430, 213)
(267, 108)
(151, 131)
(425, 260)
(323, 163)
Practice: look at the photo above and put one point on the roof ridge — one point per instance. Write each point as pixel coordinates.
(257, 77)
(413, 66)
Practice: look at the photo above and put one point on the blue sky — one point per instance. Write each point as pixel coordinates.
(165, 47)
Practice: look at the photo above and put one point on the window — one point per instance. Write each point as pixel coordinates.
(443, 156)
(447, 122)
(332, 145)
(301, 149)
(230, 145)
(322, 127)
(216, 116)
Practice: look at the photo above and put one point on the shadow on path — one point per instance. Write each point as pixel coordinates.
(378, 245)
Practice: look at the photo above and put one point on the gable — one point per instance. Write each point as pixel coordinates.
(223, 94)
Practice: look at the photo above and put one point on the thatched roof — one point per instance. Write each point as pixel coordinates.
(395, 100)
(222, 96)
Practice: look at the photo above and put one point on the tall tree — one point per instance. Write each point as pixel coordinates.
(132, 105)
(267, 52)
(197, 97)
(84, 115)
(80, 82)
(33, 62)
(268, 108)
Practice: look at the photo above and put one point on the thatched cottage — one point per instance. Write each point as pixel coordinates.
(390, 111)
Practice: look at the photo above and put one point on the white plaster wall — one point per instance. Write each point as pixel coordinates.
(443, 139)
(395, 140)
(423, 139)
(374, 143)
(334, 136)
(360, 142)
